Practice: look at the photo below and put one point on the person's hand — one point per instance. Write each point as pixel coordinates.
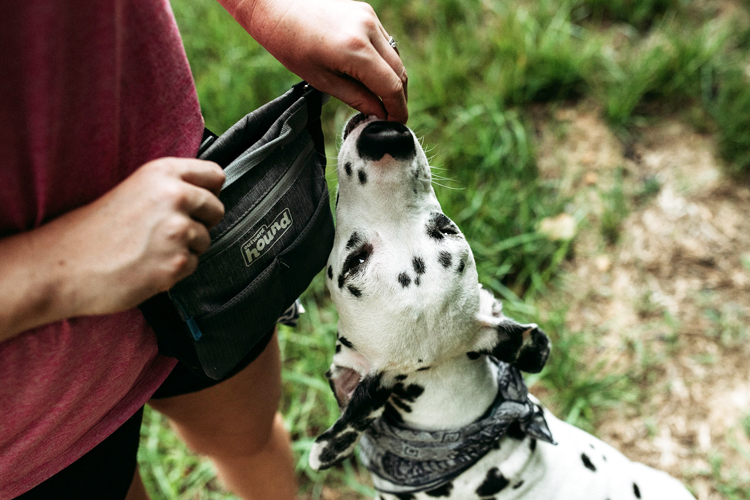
(138, 239)
(142, 237)
(337, 46)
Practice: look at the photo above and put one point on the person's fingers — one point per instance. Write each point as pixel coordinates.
(372, 70)
(392, 57)
(201, 173)
(188, 264)
(353, 93)
(202, 205)
(197, 238)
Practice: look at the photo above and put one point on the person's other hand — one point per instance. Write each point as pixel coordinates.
(337, 46)
(141, 237)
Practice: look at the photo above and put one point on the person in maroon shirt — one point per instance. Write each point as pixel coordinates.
(135, 222)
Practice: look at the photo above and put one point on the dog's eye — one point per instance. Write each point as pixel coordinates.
(449, 229)
(356, 260)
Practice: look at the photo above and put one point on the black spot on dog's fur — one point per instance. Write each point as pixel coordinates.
(338, 349)
(418, 263)
(433, 231)
(362, 177)
(404, 496)
(348, 168)
(424, 368)
(409, 393)
(493, 483)
(591, 445)
(347, 343)
(496, 444)
(354, 291)
(587, 462)
(401, 377)
(636, 491)
(442, 491)
(604, 458)
(405, 394)
(396, 401)
(445, 259)
(473, 355)
(354, 240)
(341, 281)
(461, 267)
(338, 445)
(330, 273)
(532, 445)
(391, 414)
(417, 281)
(518, 484)
(404, 279)
(362, 425)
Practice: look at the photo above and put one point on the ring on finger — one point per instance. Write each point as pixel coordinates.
(394, 45)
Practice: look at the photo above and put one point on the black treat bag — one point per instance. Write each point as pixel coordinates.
(275, 237)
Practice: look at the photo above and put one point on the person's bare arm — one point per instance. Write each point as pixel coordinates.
(135, 241)
(338, 46)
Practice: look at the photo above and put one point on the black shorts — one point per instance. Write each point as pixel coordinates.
(107, 471)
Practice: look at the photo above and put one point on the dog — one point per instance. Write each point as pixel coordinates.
(426, 369)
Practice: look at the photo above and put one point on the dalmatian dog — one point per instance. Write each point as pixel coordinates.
(426, 369)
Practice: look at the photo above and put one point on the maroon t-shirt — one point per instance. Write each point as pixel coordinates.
(90, 90)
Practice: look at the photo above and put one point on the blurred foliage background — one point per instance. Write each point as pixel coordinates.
(478, 71)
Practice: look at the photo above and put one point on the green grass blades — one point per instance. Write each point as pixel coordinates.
(732, 115)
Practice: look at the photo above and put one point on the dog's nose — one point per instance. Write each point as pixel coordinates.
(379, 138)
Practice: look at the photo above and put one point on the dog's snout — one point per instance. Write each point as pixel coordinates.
(380, 138)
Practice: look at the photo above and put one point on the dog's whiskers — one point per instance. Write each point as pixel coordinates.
(448, 187)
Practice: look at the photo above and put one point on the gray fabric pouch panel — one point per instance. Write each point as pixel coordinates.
(275, 236)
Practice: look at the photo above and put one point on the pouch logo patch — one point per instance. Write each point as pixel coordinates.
(266, 237)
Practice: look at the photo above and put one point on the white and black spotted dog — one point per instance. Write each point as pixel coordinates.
(426, 368)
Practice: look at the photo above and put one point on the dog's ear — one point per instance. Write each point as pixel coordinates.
(361, 405)
(524, 346)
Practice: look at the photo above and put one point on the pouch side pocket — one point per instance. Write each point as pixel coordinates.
(254, 310)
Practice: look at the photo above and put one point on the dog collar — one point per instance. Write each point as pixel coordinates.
(409, 461)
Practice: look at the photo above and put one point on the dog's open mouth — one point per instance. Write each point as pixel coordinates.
(353, 122)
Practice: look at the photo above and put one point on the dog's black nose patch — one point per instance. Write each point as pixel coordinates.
(381, 138)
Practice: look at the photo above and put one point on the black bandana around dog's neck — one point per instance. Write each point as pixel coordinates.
(409, 461)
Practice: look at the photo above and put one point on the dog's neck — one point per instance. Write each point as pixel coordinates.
(455, 393)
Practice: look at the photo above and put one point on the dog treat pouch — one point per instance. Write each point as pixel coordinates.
(275, 237)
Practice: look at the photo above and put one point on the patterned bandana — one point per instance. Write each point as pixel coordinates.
(409, 461)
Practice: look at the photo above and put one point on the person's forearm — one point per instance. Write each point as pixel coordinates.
(337, 46)
(138, 239)
(32, 282)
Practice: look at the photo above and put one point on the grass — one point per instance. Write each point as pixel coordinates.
(478, 72)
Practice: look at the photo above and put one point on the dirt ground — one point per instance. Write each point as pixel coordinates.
(668, 300)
